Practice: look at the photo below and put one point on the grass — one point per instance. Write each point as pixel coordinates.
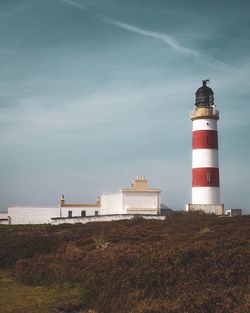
(16, 297)
(188, 263)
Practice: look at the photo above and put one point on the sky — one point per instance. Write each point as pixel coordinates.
(96, 92)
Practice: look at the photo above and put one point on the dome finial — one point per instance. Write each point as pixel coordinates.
(205, 81)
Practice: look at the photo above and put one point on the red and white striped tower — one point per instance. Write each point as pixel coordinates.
(205, 161)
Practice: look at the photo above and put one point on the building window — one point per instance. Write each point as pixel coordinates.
(83, 213)
(69, 213)
(209, 177)
(96, 213)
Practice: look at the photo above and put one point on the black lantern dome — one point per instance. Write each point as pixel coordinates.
(204, 96)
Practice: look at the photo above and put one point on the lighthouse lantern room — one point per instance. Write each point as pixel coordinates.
(205, 160)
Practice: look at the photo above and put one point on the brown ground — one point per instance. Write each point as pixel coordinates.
(186, 264)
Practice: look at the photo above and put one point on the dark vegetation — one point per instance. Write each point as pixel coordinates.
(187, 263)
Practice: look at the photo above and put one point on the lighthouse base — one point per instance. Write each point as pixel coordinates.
(217, 209)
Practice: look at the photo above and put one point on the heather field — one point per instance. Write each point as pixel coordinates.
(188, 263)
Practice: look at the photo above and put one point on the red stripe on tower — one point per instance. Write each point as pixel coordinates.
(205, 177)
(205, 139)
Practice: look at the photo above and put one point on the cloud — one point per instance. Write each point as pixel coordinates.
(75, 4)
(165, 38)
(169, 40)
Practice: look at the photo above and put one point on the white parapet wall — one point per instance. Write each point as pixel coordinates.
(103, 218)
(32, 215)
(141, 202)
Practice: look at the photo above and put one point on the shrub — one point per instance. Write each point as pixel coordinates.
(186, 263)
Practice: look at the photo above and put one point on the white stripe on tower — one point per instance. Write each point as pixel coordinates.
(204, 124)
(205, 158)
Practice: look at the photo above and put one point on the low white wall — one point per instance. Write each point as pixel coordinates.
(32, 215)
(4, 219)
(104, 218)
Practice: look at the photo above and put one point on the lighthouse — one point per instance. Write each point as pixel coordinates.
(205, 158)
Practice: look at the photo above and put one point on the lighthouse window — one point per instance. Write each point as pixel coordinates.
(209, 177)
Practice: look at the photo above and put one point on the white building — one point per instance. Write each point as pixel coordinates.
(69, 210)
(137, 199)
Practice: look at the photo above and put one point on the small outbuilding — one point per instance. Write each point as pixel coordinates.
(233, 212)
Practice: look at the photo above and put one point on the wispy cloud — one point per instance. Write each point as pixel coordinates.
(165, 38)
(75, 4)
(86, 6)
(169, 40)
